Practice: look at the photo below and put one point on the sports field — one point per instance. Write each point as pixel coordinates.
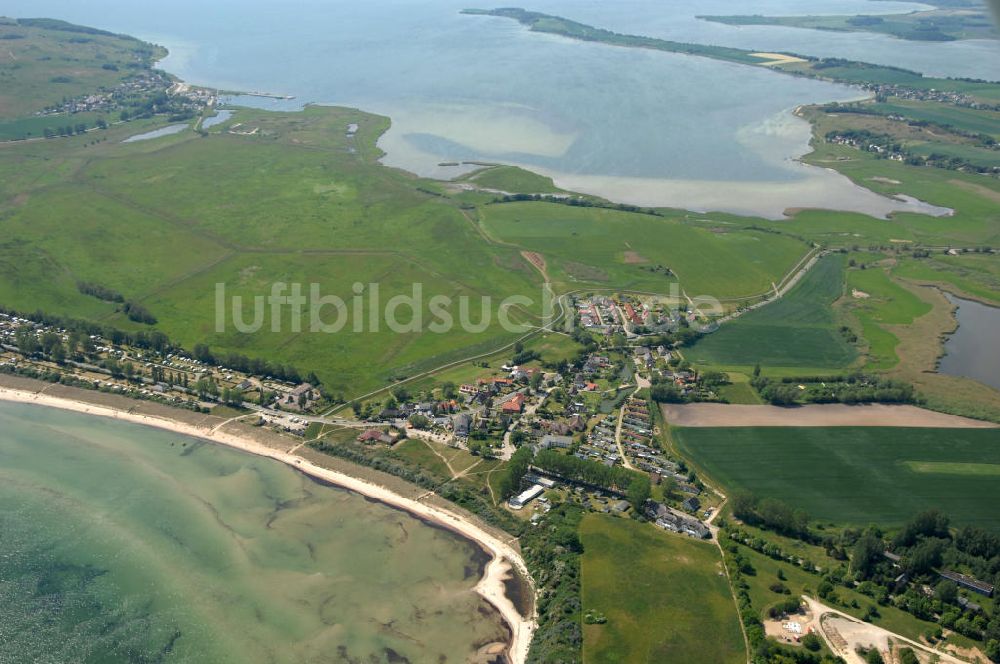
(662, 594)
(799, 330)
(854, 475)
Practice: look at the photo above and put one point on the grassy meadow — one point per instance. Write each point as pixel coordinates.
(164, 221)
(603, 248)
(662, 595)
(880, 303)
(854, 475)
(513, 180)
(302, 201)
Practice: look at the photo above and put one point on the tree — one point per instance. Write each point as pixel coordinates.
(666, 393)
(924, 557)
(873, 656)
(517, 468)
(58, 353)
(26, 341)
(419, 421)
(866, 554)
(638, 493)
(812, 642)
(946, 591)
(932, 523)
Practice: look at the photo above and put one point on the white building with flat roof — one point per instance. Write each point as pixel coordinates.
(526, 496)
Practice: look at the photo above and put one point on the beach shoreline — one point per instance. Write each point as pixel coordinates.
(505, 560)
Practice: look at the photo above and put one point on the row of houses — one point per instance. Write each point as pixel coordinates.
(668, 519)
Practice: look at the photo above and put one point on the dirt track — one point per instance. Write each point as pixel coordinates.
(815, 415)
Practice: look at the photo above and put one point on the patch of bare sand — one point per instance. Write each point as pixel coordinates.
(635, 258)
(537, 260)
(772, 59)
(813, 415)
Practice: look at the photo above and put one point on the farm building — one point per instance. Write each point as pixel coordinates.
(975, 585)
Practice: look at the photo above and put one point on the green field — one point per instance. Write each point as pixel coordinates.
(951, 468)
(604, 248)
(851, 475)
(799, 330)
(966, 119)
(662, 595)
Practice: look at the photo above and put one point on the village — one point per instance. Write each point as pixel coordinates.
(590, 408)
(144, 94)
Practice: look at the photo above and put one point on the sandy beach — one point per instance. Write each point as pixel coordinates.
(490, 587)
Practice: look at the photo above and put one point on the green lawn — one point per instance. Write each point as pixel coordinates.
(663, 596)
(740, 392)
(799, 330)
(857, 476)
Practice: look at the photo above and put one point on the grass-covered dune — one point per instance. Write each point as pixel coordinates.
(857, 476)
(661, 595)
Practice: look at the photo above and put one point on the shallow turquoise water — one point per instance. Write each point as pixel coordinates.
(120, 543)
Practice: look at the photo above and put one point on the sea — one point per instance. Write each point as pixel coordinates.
(123, 543)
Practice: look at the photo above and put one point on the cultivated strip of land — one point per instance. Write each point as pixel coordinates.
(814, 415)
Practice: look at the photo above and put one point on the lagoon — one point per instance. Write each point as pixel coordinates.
(634, 126)
(125, 542)
(973, 350)
(169, 130)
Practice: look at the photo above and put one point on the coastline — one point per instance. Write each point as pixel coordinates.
(504, 559)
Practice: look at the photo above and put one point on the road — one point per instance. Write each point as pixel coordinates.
(640, 384)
